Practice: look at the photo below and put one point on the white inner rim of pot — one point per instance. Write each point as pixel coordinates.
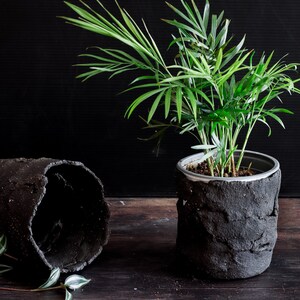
(263, 165)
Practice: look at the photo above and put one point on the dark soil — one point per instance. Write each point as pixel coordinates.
(202, 168)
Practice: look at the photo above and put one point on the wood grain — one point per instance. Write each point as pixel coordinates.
(139, 261)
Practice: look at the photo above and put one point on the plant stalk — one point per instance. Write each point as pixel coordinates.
(61, 286)
(10, 256)
(238, 164)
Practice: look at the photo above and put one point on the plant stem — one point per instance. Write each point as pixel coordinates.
(32, 290)
(57, 287)
(210, 162)
(10, 256)
(14, 289)
(233, 166)
(244, 146)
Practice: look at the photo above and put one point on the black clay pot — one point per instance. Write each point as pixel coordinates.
(53, 212)
(227, 227)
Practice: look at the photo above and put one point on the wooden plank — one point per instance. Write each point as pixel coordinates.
(289, 213)
(140, 262)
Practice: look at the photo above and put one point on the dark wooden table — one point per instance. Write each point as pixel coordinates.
(139, 261)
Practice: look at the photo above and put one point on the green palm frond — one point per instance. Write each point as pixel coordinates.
(213, 89)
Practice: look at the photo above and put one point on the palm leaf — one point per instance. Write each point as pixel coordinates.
(141, 99)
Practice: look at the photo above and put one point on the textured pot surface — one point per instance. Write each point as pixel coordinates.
(228, 229)
(53, 212)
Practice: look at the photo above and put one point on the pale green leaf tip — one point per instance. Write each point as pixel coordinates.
(75, 282)
(52, 280)
(68, 295)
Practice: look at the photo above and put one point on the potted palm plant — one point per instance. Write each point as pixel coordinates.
(217, 91)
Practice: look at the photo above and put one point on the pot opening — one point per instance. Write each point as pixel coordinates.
(70, 222)
(263, 166)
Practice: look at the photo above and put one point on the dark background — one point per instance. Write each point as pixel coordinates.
(45, 111)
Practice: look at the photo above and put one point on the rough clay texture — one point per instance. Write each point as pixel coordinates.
(228, 230)
(79, 240)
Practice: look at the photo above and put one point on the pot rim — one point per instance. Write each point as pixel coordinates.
(270, 163)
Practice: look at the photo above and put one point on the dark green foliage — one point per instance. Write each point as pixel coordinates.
(212, 91)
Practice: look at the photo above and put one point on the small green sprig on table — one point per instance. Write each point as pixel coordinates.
(71, 283)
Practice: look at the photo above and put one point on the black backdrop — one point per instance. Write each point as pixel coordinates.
(45, 111)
